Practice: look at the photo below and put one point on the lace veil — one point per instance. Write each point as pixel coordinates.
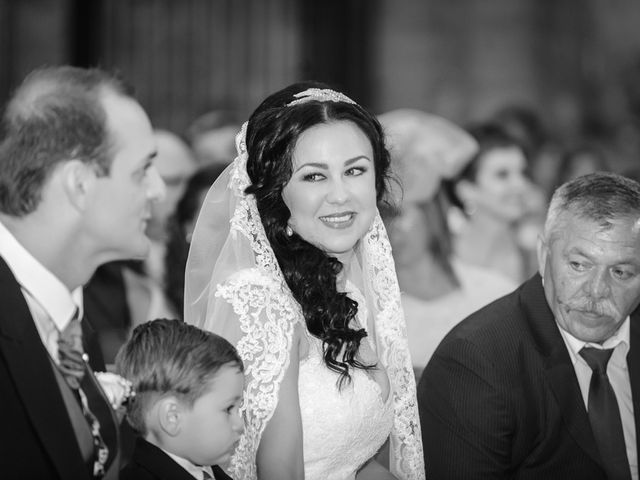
(235, 288)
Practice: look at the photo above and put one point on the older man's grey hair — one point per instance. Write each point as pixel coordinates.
(599, 197)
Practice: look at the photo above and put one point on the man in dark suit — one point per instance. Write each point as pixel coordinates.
(545, 382)
(76, 183)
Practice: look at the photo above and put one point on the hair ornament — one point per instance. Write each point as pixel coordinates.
(320, 95)
(239, 176)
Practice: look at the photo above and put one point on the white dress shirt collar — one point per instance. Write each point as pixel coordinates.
(40, 283)
(621, 337)
(196, 471)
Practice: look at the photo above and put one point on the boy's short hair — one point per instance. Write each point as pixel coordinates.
(170, 357)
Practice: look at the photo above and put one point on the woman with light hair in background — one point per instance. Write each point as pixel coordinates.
(438, 288)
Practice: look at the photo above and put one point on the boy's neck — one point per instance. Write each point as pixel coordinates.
(188, 465)
(156, 440)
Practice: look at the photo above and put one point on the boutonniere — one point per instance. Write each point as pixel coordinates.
(117, 389)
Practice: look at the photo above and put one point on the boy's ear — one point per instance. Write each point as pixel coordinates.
(170, 415)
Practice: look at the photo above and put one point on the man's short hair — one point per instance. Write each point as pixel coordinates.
(599, 197)
(56, 114)
(170, 357)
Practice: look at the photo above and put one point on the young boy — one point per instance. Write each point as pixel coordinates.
(188, 388)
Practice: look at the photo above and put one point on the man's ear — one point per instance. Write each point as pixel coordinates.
(542, 249)
(78, 179)
(169, 413)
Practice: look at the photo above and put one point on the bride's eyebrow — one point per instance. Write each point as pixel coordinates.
(325, 166)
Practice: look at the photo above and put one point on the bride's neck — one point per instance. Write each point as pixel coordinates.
(351, 272)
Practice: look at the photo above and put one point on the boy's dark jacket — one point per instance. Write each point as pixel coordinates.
(151, 463)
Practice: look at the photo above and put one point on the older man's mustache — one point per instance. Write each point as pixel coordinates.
(603, 308)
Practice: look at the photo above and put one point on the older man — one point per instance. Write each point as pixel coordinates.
(76, 185)
(545, 382)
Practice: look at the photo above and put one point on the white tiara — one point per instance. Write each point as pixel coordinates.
(321, 95)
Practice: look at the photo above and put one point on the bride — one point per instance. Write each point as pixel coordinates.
(290, 261)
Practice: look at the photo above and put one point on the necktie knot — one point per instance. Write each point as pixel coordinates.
(70, 352)
(597, 358)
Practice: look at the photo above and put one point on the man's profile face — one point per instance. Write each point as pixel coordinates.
(591, 275)
(121, 200)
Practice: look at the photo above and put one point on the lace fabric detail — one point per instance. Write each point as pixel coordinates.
(407, 459)
(239, 176)
(267, 313)
(267, 318)
(363, 416)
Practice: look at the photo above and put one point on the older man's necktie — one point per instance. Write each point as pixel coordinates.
(604, 415)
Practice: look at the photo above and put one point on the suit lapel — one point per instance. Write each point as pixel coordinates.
(559, 369)
(633, 364)
(29, 365)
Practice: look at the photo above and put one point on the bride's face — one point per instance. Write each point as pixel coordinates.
(331, 194)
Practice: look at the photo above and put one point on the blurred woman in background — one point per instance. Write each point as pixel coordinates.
(438, 288)
(180, 228)
(500, 206)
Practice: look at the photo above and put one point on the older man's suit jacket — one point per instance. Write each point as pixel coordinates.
(500, 398)
(37, 440)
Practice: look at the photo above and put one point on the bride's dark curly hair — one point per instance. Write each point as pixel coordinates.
(272, 134)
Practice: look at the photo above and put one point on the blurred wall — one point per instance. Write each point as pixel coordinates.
(574, 61)
(190, 56)
(183, 57)
(32, 32)
(466, 58)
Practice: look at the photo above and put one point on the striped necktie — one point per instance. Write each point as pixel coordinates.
(604, 415)
(77, 373)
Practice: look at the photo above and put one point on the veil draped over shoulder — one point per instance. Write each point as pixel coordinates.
(235, 288)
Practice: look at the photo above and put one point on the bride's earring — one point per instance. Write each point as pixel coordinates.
(288, 231)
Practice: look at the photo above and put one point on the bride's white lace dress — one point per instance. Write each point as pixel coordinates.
(342, 429)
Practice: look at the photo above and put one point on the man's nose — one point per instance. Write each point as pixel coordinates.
(598, 284)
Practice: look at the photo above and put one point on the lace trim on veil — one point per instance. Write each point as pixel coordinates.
(267, 320)
(407, 459)
(268, 314)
